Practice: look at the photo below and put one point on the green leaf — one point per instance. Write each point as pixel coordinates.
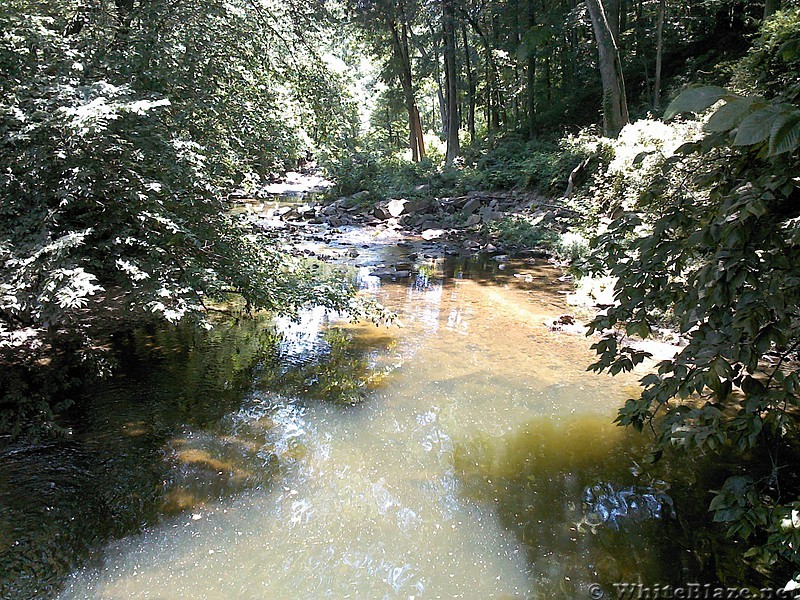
(695, 100)
(756, 127)
(785, 134)
(790, 49)
(732, 113)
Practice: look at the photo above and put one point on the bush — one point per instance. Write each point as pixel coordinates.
(520, 232)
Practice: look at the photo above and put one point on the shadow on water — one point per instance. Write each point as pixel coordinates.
(589, 510)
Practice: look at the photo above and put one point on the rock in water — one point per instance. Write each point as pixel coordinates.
(606, 506)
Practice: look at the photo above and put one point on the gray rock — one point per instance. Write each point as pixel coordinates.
(472, 220)
(381, 211)
(390, 273)
(471, 206)
(487, 214)
(418, 205)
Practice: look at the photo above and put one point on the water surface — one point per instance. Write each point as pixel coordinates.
(451, 456)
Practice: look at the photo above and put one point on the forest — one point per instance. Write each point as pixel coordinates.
(652, 147)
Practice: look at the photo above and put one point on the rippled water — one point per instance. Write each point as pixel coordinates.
(463, 472)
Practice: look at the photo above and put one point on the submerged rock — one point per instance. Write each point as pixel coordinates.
(606, 506)
(390, 273)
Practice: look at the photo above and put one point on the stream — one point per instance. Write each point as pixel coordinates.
(464, 452)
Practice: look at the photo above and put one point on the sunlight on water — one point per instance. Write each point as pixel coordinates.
(398, 497)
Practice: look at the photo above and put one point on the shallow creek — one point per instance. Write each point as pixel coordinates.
(482, 462)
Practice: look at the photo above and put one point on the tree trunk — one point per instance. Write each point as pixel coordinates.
(662, 9)
(400, 43)
(451, 82)
(530, 103)
(440, 94)
(470, 87)
(612, 10)
(615, 105)
(771, 7)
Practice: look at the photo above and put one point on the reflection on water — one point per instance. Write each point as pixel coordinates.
(465, 454)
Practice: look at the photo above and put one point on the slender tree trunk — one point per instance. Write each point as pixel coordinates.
(771, 7)
(662, 9)
(615, 105)
(531, 84)
(499, 104)
(415, 141)
(548, 76)
(641, 51)
(389, 126)
(451, 81)
(470, 87)
(419, 134)
(492, 79)
(440, 94)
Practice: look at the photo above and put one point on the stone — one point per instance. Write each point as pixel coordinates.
(429, 224)
(381, 211)
(432, 234)
(418, 205)
(390, 273)
(396, 208)
(305, 211)
(472, 220)
(487, 214)
(471, 206)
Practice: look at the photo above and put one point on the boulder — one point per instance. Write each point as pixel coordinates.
(471, 206)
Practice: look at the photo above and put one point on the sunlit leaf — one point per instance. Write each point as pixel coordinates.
(695, 100)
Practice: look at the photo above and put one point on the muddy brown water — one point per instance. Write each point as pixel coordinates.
(479, 462)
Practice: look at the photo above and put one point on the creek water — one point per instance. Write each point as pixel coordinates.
(481, 460)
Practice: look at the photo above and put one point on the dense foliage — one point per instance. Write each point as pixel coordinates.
(123, 127)
(712, 244)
